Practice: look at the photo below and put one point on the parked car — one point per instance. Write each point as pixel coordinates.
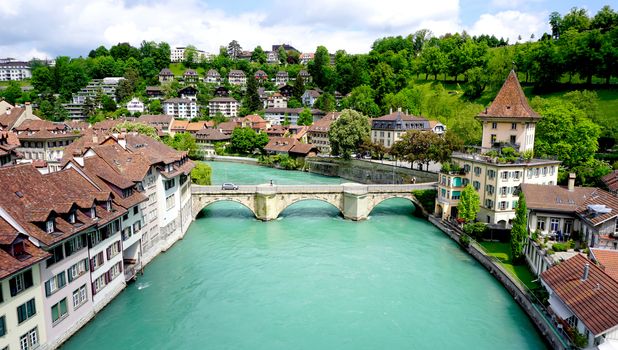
(229, 186)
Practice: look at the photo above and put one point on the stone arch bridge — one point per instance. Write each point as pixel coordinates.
(354, 201)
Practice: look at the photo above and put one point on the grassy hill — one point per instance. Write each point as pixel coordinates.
(178, 69)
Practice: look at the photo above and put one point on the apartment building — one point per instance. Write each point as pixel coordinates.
(237, 77)
(228, 106)
(180, 108)
(14, 70)
(387, 129)
(318, 132)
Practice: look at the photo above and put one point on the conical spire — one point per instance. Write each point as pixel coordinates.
(510, 102)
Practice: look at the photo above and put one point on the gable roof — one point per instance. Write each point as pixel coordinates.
(211, 135)
(510, 102)
(611, 181)
(556, 198)
(608, 260)
(10, 265)
(323, 125)
(166, 72)
(594, 301)
(8, 117)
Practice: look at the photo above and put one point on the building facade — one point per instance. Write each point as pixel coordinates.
(14, 70)
(180, 108)
(228, 106)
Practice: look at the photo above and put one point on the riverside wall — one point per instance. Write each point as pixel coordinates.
(367, 172)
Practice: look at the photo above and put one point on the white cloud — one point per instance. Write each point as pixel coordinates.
(511, 24)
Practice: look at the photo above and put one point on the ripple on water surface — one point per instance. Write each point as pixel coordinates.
(312, 280)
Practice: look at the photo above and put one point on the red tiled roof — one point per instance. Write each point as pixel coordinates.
(7, 120)
(211, 135)
(608, 259)
(599, 197)
(280, 144)
(594, 301)
(611, 181)
(556, 198)
(10, 265)
(179, 124)
(323, 125)
(510, 102)
(196, 126)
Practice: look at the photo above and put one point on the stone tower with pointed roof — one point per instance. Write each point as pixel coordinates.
(509, 120)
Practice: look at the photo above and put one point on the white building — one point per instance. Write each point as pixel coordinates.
(309, 97)
(14, 70)
(135, 105)
(177, 54)
(180, 108)
(228, 106)
(237, 77)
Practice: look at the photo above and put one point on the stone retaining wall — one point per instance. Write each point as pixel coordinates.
(367, 172)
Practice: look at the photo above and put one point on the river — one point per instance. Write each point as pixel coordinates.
(310, 280)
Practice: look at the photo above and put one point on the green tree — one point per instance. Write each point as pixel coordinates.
(282, 55)
(234, 49)
(361, 99)
(258, 55)
(319, 66)
(190, 58)
(12, 92)
(347, 133)
(108, 104)
(326, 102)
(155, 107)
(433, 61)
(246, 141)
(252, 98)
(299, 87)
(201, 174)
(305, 117)
(183, 142)
(469, 204)
(519, 231)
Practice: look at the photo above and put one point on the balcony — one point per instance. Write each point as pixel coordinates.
(131, 268)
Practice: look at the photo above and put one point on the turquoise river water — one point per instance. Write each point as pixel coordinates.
(310, 280)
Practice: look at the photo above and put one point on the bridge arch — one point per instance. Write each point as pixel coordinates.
(380, 198)
(333, 203)
(202, 202)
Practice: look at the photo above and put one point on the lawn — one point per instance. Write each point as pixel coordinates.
(502, 251)
(178, 68)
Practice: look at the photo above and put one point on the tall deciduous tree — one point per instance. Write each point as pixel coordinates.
(258, 55)
(319, 66)
(347, 133)
(305, 117)
(469, 204)
(201, 174)
(519, 230)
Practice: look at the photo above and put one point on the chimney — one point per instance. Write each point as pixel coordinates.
(122, 140)
(571, 182)
(586, 272)
(28, 109)
(398, 109)
(391, 112)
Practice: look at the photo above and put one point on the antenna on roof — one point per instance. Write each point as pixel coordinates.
(513, 66)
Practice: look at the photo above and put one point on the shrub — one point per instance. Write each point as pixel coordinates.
(475, 230)
(464, 240)
(562, 247)
(201, 174)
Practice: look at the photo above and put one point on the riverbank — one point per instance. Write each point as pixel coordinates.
(516, 288)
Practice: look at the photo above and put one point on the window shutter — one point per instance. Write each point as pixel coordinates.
(28, 279)
(70, 275)
(94, 288)
(47, 289)
(13, 286)
(92, 264)
(86, 264)
(62, 280)
(108, 251)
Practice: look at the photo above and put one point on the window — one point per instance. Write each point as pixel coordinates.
(476, 185)
(504, 175)
(465, 182)
(477, 171)
(72, 217)
(2, 326)
(99, 283)
(513, 139)
(20, 282)
(489, 203)
(466, 168)
(113, 250)
(513, 126)
(494, 125)
(491, 173)
(75, 244)
(29, 340)
(59, 310)
(544, 171)
(77, 270)
(170, 201)
(169, 184)
(115, 271)
(615, 231)
(96, 261)
(55, 283)
(551, 170)
(80, 296)
(49, 226)
(503, 205)
(135, 210)
(489, 189)
(540, 223)
(516, 174)
(493, 138)
(553, 224)
(503, 190)
(26, 310)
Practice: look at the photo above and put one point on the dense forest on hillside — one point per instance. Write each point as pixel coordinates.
(450, 78)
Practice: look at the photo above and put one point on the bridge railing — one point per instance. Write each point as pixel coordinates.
(243, 189)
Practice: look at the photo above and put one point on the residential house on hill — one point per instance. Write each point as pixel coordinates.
(212, 77)
(135, 106)
(318, 132)
(11, 70)
(194, 127)
(387, 129)
(286, 90)
(583, 297)
(254, 122)
(436, 127)
(222, 91)
(228, 127)
(277, 116)
(276, 131)
(188, 92)
(298, 132)
(305, 75)
(261, 76)
(237, 77)
(154, 92)
(180, 108)
(161, 122)
(306, 57)
(190, 76)
(282, 78)
(309, 97)
(178, 126)
(206, 139)
(228, 106)
(276, 100)
(166, 76)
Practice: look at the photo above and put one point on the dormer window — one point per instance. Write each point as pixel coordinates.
(93, 212)
(109, 205)
(72, 217)
(49, 227)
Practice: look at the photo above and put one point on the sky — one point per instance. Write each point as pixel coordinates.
(49, 28)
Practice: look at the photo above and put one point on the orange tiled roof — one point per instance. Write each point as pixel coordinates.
(594, 301)
(10, 264)
(510, 102)
(608, 259)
